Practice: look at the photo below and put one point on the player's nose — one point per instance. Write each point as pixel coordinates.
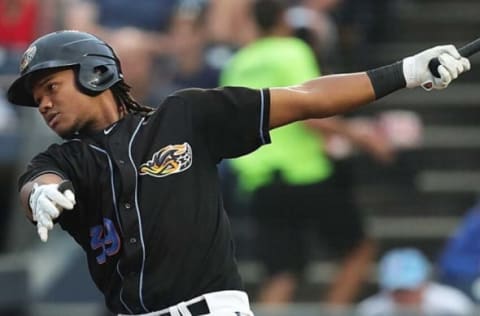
(44, 104)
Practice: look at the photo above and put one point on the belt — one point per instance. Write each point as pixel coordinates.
(196, 309)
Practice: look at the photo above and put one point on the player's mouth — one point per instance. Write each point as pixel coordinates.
(53, 119)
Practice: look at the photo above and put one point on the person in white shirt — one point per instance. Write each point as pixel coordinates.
(407, 289)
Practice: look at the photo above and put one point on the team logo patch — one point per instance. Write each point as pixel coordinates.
(27, 57)
(169, 160)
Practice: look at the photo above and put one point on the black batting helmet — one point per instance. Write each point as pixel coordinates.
(97, 67)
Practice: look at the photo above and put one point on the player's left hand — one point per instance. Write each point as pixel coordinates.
(46, 202)
(417, 73)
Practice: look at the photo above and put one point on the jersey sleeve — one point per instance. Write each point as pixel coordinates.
(50, 161)
(233, 120)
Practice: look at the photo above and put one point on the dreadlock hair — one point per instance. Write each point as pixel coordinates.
(121, 92)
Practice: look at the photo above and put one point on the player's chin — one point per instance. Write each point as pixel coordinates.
(65, 133)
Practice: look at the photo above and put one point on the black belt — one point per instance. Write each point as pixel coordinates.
(198, 308)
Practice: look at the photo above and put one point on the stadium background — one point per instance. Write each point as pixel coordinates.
(419, 201)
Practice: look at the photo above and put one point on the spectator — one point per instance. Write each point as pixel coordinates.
(137, 30)
(150, 17)
(313, 22)
(458, 264)
(21, 21)
(230, 22)
(17, 23)
(191, 66)
(362, 23)
(8, 155)
(293, 185)
(407, 289)
(137, 64)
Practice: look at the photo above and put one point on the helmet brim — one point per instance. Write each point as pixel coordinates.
(18, 93)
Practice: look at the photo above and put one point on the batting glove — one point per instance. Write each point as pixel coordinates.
(47, 201)
(416, 72)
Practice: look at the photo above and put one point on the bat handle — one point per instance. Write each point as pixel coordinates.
(65, 185)
(433, 66)
(465, 51)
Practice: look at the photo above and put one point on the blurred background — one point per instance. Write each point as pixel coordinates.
(421, 193)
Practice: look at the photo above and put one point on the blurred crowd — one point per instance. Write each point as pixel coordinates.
(166, 45)
(175, 42)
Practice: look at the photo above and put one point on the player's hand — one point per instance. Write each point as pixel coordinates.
(47, 201)
(416, 72)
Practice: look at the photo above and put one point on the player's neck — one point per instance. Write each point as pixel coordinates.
(108, 111)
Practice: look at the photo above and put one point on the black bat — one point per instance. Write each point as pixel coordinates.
(65, 185)
(465, 51)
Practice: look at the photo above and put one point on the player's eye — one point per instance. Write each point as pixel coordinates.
(51, 86)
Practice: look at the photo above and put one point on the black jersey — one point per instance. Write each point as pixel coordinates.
(149, 211)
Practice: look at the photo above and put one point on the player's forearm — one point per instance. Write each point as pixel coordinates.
(27, 189)
(331, 95)
(339, 93)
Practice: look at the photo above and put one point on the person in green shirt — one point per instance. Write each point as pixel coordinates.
(295, 188)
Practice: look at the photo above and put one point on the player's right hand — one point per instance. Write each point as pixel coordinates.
(417, 73)
(46, 202)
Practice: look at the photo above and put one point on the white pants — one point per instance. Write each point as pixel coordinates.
(222, 303)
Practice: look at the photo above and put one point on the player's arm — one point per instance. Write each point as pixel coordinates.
(44, 198)
(48, 178)
(320, 97)
(335, 94)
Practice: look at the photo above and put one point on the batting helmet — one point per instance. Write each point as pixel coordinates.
(97, 67)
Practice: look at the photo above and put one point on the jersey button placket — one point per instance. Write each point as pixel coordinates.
(127, 206)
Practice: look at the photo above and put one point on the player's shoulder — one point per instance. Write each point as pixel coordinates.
(214, 98)
(191, 93)
(67, 150)
(68, 145)
(198, 95)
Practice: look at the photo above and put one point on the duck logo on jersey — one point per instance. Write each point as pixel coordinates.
(169, 160)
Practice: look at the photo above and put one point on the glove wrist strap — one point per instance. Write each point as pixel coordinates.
(387, 79)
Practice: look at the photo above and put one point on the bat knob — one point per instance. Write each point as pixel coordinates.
(433, 67)
(65, 185)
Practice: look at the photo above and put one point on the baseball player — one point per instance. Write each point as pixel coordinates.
(138, 189)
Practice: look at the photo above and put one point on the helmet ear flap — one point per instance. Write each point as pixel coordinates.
(94, 79)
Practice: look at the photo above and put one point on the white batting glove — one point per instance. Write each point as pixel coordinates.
(46, 203)
(416, 72)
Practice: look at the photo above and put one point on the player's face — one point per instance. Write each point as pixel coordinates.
(408, 297)
(64, 108)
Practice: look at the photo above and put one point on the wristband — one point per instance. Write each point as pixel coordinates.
(387, 79)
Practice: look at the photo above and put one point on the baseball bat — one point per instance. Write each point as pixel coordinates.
(465, 51)
(65, 185)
